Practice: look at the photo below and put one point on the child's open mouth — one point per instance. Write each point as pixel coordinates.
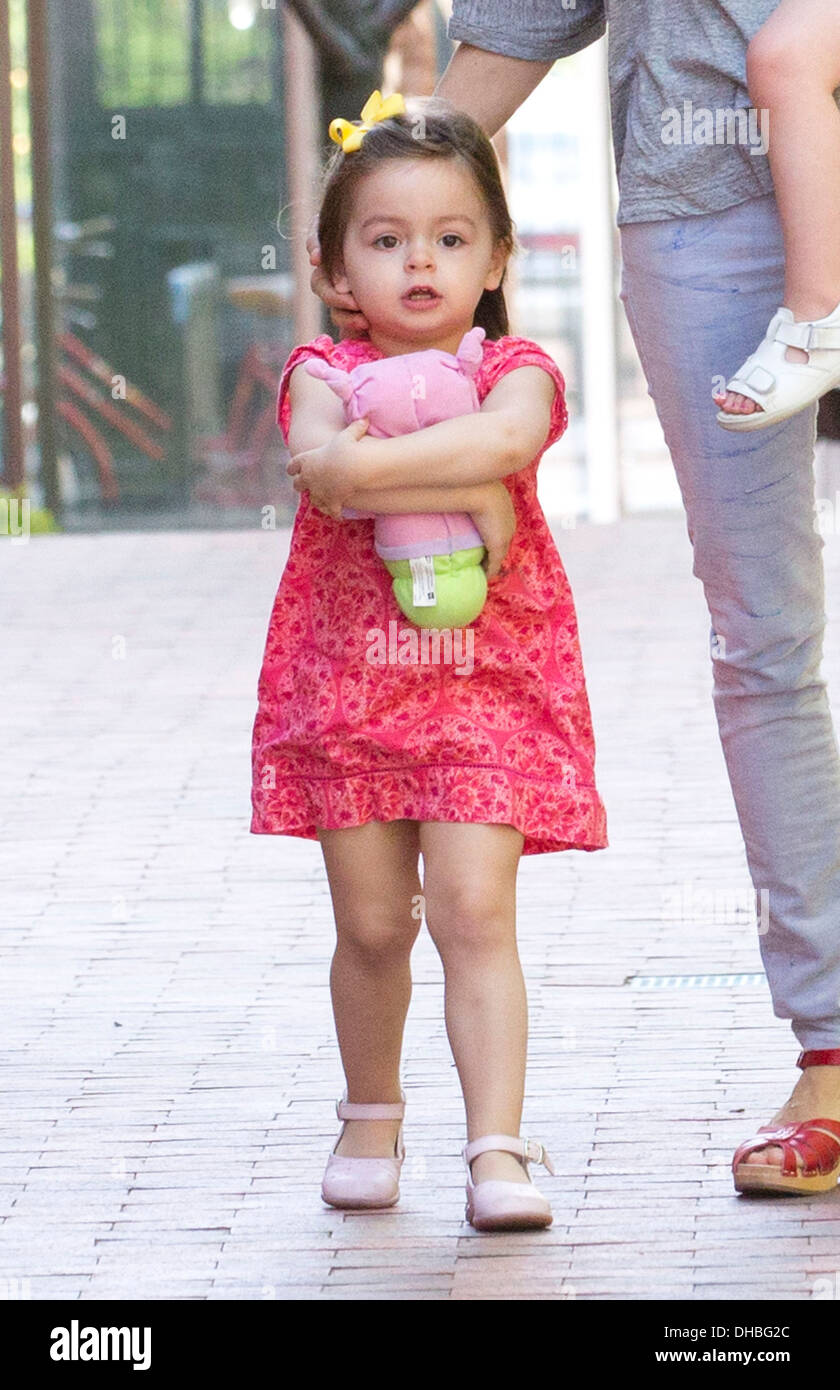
(421, 297)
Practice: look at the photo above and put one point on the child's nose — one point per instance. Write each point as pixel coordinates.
(419, 254)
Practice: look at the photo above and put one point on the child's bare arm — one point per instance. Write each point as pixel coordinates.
(417, 498)
(798, 43)
(317, 418)
(317, 413)
(500, 439)
(489, 504)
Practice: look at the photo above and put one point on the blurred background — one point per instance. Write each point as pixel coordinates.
(159, 164)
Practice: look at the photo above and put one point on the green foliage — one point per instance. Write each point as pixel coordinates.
(41, 519)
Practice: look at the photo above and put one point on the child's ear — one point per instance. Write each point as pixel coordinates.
(497, 267)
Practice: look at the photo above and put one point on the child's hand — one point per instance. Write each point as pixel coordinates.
(330, 473)
(344, 311)
(495, 520)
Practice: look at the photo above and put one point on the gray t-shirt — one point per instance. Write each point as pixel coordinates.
(686, 139)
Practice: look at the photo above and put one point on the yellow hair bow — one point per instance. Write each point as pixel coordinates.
(350, 134)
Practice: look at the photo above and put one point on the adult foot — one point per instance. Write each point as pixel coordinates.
(816, 1095)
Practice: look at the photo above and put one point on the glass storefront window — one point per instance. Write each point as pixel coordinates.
(237, 49)
(171, 52)
(143, 52)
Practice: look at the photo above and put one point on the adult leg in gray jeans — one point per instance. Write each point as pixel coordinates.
(699, 293)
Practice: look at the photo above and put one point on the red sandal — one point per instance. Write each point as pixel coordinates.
(815, 1142)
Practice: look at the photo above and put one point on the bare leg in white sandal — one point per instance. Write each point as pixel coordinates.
(375, 886)
(469, 888)
(470, 892)
(793, 68)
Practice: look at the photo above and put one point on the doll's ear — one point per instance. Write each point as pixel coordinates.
(470, 351)
(335, 378)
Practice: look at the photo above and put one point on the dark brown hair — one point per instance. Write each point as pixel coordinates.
(431, 128)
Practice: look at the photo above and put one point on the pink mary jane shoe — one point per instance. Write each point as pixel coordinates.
(364, 1182)
(495, 1205)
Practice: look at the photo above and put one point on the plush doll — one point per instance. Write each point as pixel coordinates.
(434, 557)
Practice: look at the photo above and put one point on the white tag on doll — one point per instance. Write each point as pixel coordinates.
(423, 578)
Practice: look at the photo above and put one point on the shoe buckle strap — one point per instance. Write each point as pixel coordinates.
(825, 335)
(808, 336)
(535, 1152)
(530, 1149)
(356, 1110)
(759, 378)
(796, 335)
(505, 1143)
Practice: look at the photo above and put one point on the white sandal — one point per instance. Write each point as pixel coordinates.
(498, 1205)
(780, 387)
(365, 1182)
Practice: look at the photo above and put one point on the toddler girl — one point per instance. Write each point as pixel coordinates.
(793, 69)
(383, 754)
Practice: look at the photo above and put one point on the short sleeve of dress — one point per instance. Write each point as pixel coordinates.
(504, 355)
(323, 347)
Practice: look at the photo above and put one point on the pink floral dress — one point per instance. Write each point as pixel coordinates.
(500, 732)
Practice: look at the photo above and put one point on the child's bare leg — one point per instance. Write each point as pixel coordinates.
(374, 885)
(469, 886)
(793, 67)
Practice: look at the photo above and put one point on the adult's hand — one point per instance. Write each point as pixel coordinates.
(344, 311)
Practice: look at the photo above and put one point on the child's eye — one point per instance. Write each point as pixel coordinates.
(386, 236)
(449, 237)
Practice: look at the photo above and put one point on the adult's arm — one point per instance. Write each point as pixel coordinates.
(506, 47)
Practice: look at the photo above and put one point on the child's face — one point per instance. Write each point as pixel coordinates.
(419, 222)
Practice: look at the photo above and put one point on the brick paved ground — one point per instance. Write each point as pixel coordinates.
(170, 1103)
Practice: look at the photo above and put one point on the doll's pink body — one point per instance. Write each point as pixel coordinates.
(398, 395)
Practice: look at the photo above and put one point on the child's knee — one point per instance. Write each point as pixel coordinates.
(467, 918)
(379, 932)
